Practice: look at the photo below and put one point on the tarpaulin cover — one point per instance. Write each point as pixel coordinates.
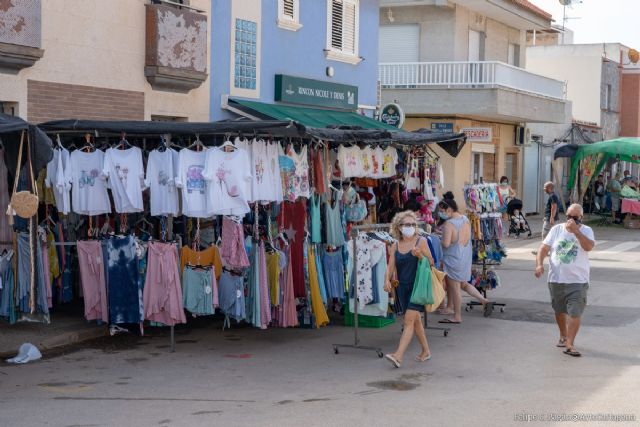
(276, 128)
(11, 128)
(566, 151)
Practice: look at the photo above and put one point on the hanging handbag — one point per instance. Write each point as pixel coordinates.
(23, 203)
(437, 287)
(356, 211)
(422, 293)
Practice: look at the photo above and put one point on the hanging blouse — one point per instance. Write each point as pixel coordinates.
(301, 163)
(287, 175)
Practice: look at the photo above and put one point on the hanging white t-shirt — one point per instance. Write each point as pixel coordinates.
(273, 154)
(88, 186)
(389, 162)
(366, 162)
(162, 168)
(229, 186)
(125, 172)
(568, 262)
(377, 161)
(350, 161)
(58, 180)
(266, 185)
(191, 180)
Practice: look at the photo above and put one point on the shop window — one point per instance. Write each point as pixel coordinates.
(342, 30)
(246, 46)
(289, 14)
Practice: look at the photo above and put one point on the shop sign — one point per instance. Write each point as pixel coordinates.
(442, 127)
(296, 90)
(478, 134)
(392, 114)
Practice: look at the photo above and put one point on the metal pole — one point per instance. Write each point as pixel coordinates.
(173, 340)
(355, 286)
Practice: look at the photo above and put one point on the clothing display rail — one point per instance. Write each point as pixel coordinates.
(484, 206)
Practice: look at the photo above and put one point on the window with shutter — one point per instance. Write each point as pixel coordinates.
(288, 8)
(342, 28)
(289, 14)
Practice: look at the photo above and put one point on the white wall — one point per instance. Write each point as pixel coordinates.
(102, 43)
(582, 70)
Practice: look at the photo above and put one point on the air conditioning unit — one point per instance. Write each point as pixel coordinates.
(523, 136)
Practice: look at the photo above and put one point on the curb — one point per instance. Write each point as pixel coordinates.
(62, 340)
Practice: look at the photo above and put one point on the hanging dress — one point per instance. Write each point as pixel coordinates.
(319, 311)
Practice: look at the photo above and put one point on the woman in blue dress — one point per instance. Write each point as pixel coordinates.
(403, 265)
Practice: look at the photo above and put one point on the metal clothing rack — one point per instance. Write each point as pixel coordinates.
(484, 265)
(356, 342)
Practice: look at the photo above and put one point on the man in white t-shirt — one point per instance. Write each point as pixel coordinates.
(568, 245)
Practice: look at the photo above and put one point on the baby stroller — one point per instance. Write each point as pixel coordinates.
(517, 221)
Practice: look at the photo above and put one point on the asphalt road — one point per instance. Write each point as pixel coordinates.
(489, 371)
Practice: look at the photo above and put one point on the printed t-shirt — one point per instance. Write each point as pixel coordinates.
(89, 188)
(125, 172)
(191, 180)
(568, 262)
(162, 169)
(229, 176)
(58, 180)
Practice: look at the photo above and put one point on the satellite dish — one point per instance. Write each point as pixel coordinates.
(565, 2)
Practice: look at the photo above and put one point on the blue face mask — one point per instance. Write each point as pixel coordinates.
(443, 215)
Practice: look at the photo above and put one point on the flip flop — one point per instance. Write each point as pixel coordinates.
(392, 360)
(562, 343)
(572, 352)
(448, 321)
(488, 309)
(423, 359)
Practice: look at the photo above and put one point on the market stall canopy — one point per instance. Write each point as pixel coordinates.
(451, 142)
(566, 151)
(309, 117)
(11, 128)
(276, 128)
(598, 153)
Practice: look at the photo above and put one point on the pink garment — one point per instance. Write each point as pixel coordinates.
(232, 251)
(288, 316)
(162, 298)
(214, 288)
(94, 285)
(265, 303)
(47, 274)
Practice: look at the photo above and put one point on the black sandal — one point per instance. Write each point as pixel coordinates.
(572, 352)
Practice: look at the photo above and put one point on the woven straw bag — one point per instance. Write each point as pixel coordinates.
(24, 203)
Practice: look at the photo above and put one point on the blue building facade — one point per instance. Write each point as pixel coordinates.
(328, 41)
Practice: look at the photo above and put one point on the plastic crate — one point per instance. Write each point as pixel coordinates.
(368, 321)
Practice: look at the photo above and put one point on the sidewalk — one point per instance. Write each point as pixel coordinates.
(67, 327)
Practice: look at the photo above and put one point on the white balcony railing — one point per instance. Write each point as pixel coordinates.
(481, 74)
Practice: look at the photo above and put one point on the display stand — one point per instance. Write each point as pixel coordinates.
(356, 339)
(471, 304)
(487, 211)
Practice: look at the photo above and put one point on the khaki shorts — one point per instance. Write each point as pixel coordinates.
(569, 298)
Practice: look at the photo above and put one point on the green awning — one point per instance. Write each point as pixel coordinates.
(312, 117)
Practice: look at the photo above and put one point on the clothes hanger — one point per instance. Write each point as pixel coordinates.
(58, 142)
(88, 146)
(197, 144)
(123, 144)
(227, 145)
